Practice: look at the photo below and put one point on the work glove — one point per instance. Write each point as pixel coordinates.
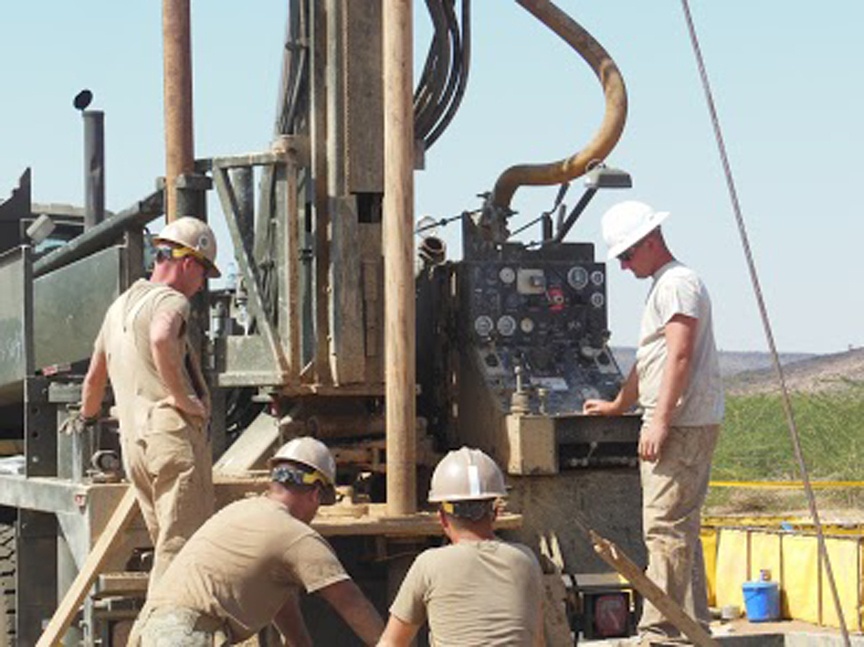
(75, 423)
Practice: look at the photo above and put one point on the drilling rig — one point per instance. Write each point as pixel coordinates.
(330, 328)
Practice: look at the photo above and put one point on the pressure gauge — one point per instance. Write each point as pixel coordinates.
(597, 299)
(483, 325)
(527, 325)
(506, 325)
(507, 275)
(597, 277)
(577, 277)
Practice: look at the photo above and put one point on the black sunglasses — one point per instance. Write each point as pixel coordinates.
(627, 254)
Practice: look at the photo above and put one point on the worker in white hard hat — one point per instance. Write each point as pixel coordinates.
(479, 590)
(246, 566)
(676, 382)
(161, 396)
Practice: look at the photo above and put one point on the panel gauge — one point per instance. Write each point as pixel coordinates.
(506, 325)
(483, 325)
(577, 277)
(507, 275)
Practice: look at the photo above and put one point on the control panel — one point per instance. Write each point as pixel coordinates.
(542, 321)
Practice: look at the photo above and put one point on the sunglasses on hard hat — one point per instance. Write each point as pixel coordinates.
(292, 475)
(183, 252)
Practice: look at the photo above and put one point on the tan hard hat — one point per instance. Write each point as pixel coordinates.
(194, 235)
(465, 475)
(309, 452)
(628, 222)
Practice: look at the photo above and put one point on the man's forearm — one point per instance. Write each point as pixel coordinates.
(398, 633)
(168, 351)
(628, 396)
(289, 621)
(673, 383)
(350, 603)
(166, 357)
(93, 387)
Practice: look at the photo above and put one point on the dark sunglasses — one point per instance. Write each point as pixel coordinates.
(627, 254)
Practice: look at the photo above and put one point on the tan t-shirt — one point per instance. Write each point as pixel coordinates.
(125, 340)
(678, 290)
(482, 593)
(243, 564)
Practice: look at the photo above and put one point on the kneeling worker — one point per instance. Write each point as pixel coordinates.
(244, 568)
(479, 590)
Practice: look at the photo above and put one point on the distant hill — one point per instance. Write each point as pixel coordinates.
(731, 362)
(753, 372)
(816, 374)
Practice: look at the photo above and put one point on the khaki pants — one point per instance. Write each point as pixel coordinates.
(177, 627)
(673, 491)
(171, 471)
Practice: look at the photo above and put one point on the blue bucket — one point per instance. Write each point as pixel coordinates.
(762, 601)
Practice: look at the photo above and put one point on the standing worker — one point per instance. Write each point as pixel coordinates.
(676, 381)
(163, 404)
(479, 591)
(245, 566)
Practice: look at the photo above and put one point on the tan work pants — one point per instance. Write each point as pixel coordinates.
(171, 470)
(177, 627)
(673, 491)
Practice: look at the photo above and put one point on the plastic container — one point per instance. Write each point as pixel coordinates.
(762, 601)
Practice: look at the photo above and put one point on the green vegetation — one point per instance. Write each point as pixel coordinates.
(755, 445)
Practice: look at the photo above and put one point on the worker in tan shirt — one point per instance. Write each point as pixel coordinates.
(162, 400)
(479, 591)
(245, 567)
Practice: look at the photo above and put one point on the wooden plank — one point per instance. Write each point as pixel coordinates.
(615, 557)
(250, 449)
(124, 583)
(108, 541)
(378, 523)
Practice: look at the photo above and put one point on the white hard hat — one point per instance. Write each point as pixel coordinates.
(196, 236)
(309, 452)
(466, 475)
(626, 223)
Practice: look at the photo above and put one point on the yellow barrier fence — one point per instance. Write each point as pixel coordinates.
(735, 555)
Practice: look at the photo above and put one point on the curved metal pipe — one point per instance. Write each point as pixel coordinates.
(613, 121)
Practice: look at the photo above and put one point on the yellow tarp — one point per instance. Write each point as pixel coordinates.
(709, 550)
(764, 556)
(844, 556)
(731, 567)
(799, 582)
(793, 561)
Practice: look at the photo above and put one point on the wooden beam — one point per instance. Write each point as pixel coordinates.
(615, 557)
(108, 541)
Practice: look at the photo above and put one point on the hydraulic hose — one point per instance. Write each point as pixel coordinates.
(610, 129)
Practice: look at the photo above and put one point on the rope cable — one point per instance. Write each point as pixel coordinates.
(766, 323)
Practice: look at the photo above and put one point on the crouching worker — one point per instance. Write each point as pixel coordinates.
(479, 590)
(244, 568)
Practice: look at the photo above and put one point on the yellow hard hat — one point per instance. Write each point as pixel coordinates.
(194, 235)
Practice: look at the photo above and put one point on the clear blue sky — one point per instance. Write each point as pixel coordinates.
(786, 77)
